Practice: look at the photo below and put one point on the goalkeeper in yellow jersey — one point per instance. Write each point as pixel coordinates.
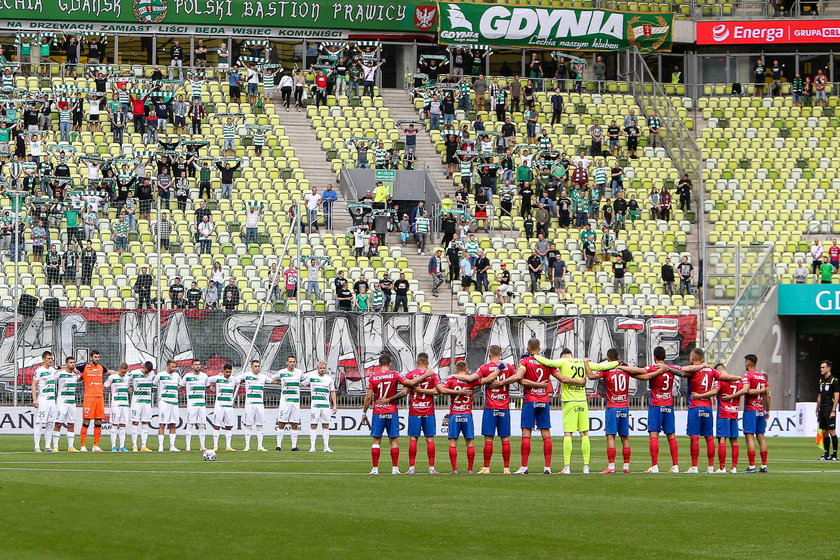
(575, 407)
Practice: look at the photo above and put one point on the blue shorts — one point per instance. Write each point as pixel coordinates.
(727, 427)
(700, 421)
(754, 422)
(496, 421)
(382, 422)
(617, 422)
(252, 89)
(661, 419)
(461, 425)
(535, 414)
(425, 424)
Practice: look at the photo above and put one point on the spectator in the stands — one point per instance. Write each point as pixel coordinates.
(143, 288)
(800, 274)
(686, 271)
(313, 270)
(210, 296)
(503, 289)
(668, 278)
(360, 283)
(252, 224)
(193, 296)
(816, 255)
(163, 231)
(684, 192)
(313, 201)
(435, 270)
(620, 207)
(535, 266)
(329, 198)
(231, 296)
(665, 204)
(820, 82)
(175, 289)
(759, 73)
(205, 235)
(556, 107)
(599, 70)
(401, 288)
(834, 255)
(226, 172)
(345, 298)
(362, 300)
(619, 283)
(558, 277)
(481, 270)
(377, 298)
(120, 231)
(480, 89)
(826, 271)
(654, 124)
(359, 239)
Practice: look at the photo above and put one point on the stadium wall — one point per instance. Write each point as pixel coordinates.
(771, 338)
(349, 343)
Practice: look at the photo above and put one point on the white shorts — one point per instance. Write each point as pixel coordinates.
(141, 413)
(289, 413)
(168, 413)
(65, 413)
(120, 415)
(46, 412)
(320, 415)
(223, 417)
(254, 415)
(196, 415)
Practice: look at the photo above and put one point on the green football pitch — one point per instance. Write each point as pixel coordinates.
(246, 505)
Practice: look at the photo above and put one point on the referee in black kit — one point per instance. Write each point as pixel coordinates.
(827, 398)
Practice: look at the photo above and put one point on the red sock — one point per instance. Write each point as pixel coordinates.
(694, 449)
(625, 452)
(675, 451)
(470, 457)
(83, 435)
(506, 453)
(710, 450)
(722, 453)
(735, 451)
(654, 450)
(453, 457)
(610, 454)
(412, 452)
(548, 447)
(763, 458)
(430, 452)
(751, 457)
(374, 455)
(395, 456)
(488, 452)
(526, 450)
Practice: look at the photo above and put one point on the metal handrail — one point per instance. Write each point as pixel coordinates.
(743, 311)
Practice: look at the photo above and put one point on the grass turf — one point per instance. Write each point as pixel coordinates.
(166, 505)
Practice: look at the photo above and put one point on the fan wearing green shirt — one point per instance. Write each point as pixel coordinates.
(575, 406)
(826, 271)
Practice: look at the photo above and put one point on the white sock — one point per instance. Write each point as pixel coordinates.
(71, 438)
(189, 439)
(144, 435)
(48, 434)
(248, 433)
(36, 435)
(161, 438)
(259, 437)
(215, 438)
(134, 436)
(122, 436)
(114, 436)
(171, 440)
(294, 434)
(325, 433)
(280, 435)
(627, 466)
(201, 435)
(228, 437)
(611, 465)
(313, 438)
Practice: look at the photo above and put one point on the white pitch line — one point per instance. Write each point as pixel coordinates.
(189, 472)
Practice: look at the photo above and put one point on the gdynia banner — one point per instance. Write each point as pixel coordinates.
(552, 28)
(184, 16)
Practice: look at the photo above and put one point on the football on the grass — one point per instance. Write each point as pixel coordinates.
(209, 455)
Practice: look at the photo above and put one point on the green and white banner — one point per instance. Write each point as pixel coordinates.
(553, 28)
